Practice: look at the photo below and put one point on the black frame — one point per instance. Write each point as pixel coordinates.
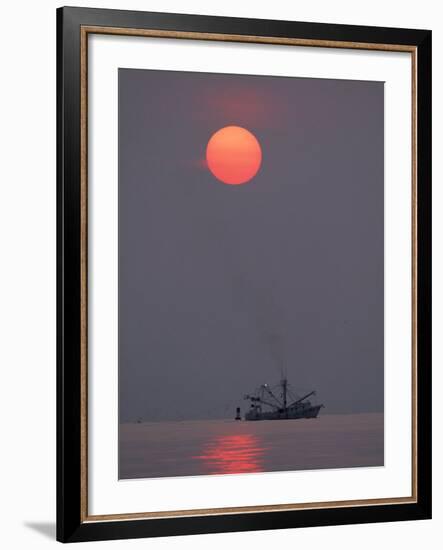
(70, 527)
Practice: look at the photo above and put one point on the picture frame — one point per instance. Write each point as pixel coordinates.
(75, 439)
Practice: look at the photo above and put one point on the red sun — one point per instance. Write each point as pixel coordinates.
(233, 155)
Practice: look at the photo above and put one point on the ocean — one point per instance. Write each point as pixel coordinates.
(204, 447)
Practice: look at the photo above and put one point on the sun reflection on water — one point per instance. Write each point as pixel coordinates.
(232, 454)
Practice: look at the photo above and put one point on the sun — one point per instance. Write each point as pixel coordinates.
(233, 155)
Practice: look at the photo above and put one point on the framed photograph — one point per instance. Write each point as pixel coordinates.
(244, 274)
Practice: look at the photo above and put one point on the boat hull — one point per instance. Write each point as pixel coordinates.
(289, 414)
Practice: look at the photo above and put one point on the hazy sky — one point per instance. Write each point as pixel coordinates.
(220, 286)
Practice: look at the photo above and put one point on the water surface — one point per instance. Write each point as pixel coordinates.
(202, 447)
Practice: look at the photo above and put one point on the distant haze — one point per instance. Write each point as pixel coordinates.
(223, 288)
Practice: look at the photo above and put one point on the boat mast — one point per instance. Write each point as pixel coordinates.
(284, 384)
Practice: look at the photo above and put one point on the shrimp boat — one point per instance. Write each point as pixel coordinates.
(280, 403)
